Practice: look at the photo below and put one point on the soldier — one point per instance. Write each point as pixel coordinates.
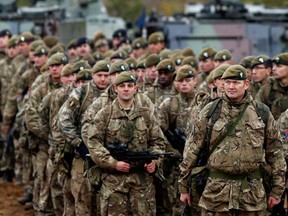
(69, 123)
(141, 74)
(72, 53)
(150, 71)
(261, 68)
(222, 57)
(118, 35)
(274, 93)
(235, 151)
(125, 189)
(118, 55)
(173, 116)
(156, 42)
(102, 46)
(205, 57)
(246, 63)
(163, 88)
(132, 64)
(38, 138)
(83, 48)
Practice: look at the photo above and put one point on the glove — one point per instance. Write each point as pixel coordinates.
(82, 150)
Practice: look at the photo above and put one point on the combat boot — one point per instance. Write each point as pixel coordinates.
(27, 197)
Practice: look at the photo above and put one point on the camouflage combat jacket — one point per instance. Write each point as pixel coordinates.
(240, 153)
(275, 96)
(71, 112)
(157, 91)
(106, 98)
(138, 128)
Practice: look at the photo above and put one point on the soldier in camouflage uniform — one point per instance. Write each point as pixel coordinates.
(173, 115)
(151, 73)
(222, 57)
(246, 63)
(275, 93)
(125, 190)
(261, 69)
(234, 185)
(205, 57)
(156, 42)
(38, 138)
(163, 87)
(69, 122)
(139, 48)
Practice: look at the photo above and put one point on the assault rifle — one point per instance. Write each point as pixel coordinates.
(137, 159)
(176, 138)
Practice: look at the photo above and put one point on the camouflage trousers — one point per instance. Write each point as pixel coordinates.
(79, 188)
(27, 170)
(127, 196)
(42, 201)
(69, 202)
(54, 188)
(205, 212)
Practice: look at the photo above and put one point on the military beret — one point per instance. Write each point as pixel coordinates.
(236, 72)
(139, 43)
(90, 58)
(5, 32)
(33, 46)
(281, 58)
(188, 52)
(119, 33)
(124, 77)
(85, 74)
(207, 53)
(261, 59)
(118, 67)
(108, 53)
(101, 66)
(41, 50)
(185, 71)
(223, 55)
(71, 44)
(98, 56)
(152, 59)
(127, 49)
(50, 40)
(98, 36)
(210, 77)
(13, 41)
(190, 60)
(156, 37)
(141, 64)
(57, 59)
(246, 62)
(219, 71)
(178, 60)
(167, 65)
(80, 65)
(165, 53)
(82, 40)
(101, 42)
(67, 70)
(56, 49)
(118, 55)
(26, 37)
(132, 63)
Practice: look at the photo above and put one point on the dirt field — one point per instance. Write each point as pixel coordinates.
(8, 201)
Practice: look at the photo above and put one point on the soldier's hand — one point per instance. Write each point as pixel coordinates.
(122, 166)
(5, 129)
(272, 202)
(151, 167)
(185, 198)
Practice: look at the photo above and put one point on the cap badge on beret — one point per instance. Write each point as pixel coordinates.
(132, 77)
(277, 59)
(122, 67)
(224, 57)
(178, 61)
(22, 39)
(108, 66)
(87, 76)
(42, 50)
(205, 54)
(64, 59)
(159, 38)
(169, 67)
(241, 74)
(261, 60)
(190, 73)
(138, 45)
(81, 68)
(192, 63)
(132, 65)
(120, 54)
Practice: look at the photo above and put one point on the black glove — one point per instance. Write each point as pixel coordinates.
(82, 150)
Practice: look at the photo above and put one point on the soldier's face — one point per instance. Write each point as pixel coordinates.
(12, 52)
(141, 74)
(72, 53)
(125, 91)
(101, 79)
(165, 77)
(65, 80)
(55, 70)
(207, 65)
(152, 73)
(138, 52)
(235, 89)
(3, 41)
(280, 71)
(260, 73)
(156, 47)
(187, 85)
(219, 83)
(83, 50)
(24, 48)
(40, 60)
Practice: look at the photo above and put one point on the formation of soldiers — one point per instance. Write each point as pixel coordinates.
(85, 127)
